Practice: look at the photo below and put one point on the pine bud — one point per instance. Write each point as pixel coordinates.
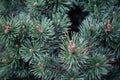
(109, 28)
(39, 28)
(103, 55)
(71, 47)
(8, 29)
(95, 6)
(35, 4)
(97, 64)
(31, 50)
(112, 27)
(91, 28)
(17, 46)
(104, 24)
(97, 15)
(4, 61)
(23, 29)
(72, 79)
(114, 13)
(58, 22)
(11, 56)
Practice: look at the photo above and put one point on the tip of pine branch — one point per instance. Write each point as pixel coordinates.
(35, 4)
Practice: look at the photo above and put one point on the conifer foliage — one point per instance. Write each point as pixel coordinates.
(37, 40)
